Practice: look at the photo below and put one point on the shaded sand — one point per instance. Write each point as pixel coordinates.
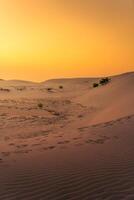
(79, 145)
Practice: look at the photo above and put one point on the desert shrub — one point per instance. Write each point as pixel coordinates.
(60, 87)
(95, 85)
(40, 105)
(4, 90)
(104, 81)
(21, 88)
(80, 116)
(49, 89)
(56, 113)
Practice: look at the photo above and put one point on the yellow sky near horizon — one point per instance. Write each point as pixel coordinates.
(42, 39)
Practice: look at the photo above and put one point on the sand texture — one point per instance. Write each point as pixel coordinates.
(65, 140)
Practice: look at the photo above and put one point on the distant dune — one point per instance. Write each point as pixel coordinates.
(65, 139)
(111, 101)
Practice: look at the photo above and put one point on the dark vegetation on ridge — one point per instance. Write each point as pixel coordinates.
(103, 81)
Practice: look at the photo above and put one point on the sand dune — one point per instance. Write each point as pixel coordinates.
(73, 142)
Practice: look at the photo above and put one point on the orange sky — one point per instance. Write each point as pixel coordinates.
(42, 39)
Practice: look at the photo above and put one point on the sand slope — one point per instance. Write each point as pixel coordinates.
(78, 146)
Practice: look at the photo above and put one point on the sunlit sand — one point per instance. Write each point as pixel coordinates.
(65, 139)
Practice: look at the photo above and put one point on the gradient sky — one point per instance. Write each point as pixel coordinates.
(42, 39)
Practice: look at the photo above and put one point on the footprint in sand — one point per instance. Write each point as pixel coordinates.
(21, 146)
(104, 137)
(44, 140)
(64, 142)
(77, 138)
(6, 138)
(49, 148)
(23, 151)
(63, 147)
(5, 153)
(58, 136)
(11, 144)
(45, 148)
(116, 137)
(36, 144)
(24, 145)
(79, 144)
(98, 141)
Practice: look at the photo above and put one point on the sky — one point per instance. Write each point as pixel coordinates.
(44, 39)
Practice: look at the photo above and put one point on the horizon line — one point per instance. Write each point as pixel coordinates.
(77, 77)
